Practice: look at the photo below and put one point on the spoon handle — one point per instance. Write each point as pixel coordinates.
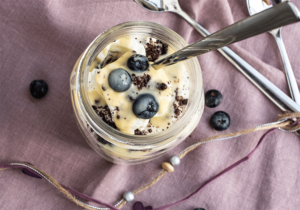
(290, 77)
(262, 83)
(275, 17)
(279, 98)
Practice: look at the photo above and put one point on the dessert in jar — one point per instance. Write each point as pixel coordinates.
(130, 95)
(128, 111)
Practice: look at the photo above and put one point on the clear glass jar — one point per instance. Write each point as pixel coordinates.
(112, 144)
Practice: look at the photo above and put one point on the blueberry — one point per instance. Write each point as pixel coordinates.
(220, 121)
(213, 98)
(145, 106)
(38, 88)
(199, 209)
(138, 63)
(119, 80)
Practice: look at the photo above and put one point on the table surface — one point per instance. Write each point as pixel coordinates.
(42, 39)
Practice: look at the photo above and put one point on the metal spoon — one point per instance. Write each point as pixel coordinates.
(279, 98)
(255, 6)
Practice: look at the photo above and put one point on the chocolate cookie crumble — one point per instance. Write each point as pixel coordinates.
(104, 113)
(181, 100)
(155, 49)
(138, 132)
(161, 86)
(140, 81)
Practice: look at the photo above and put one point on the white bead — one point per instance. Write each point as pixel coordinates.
(128, 196)
(175, 160)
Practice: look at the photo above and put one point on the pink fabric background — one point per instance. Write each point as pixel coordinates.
(41, 39)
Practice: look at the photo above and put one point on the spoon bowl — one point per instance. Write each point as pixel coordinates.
(159, 5)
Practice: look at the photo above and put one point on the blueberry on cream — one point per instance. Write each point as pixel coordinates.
(138, 63)
(119, 80)
(145, 106)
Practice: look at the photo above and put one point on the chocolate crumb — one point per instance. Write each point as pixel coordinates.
(103, 141)
(135, 150)
(138, 132)
(130, 98)
(140, 81)
(105, 115)
(94, 107)
(180, 99)
(161, 86)
(150, 130)
(184, 102)
(118, 116)
(103, 88)
(117, 108)
(97, 101)
(155, 49)
(177, 112)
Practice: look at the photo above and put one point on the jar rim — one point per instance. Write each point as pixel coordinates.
(109, 133)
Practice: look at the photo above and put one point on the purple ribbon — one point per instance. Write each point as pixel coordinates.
(221, 173)
(32, 173)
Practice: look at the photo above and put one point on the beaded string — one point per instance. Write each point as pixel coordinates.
(284, 123)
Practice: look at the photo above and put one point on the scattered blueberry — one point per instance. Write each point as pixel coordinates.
(199, 209)
(213, 98)
(38, 88)
(119, 80)
(220, 121)
(145, 106)
(139, 206)
(138, 63)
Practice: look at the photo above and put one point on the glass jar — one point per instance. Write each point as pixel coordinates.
(112, 144)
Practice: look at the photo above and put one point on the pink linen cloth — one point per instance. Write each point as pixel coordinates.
(42, 39)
